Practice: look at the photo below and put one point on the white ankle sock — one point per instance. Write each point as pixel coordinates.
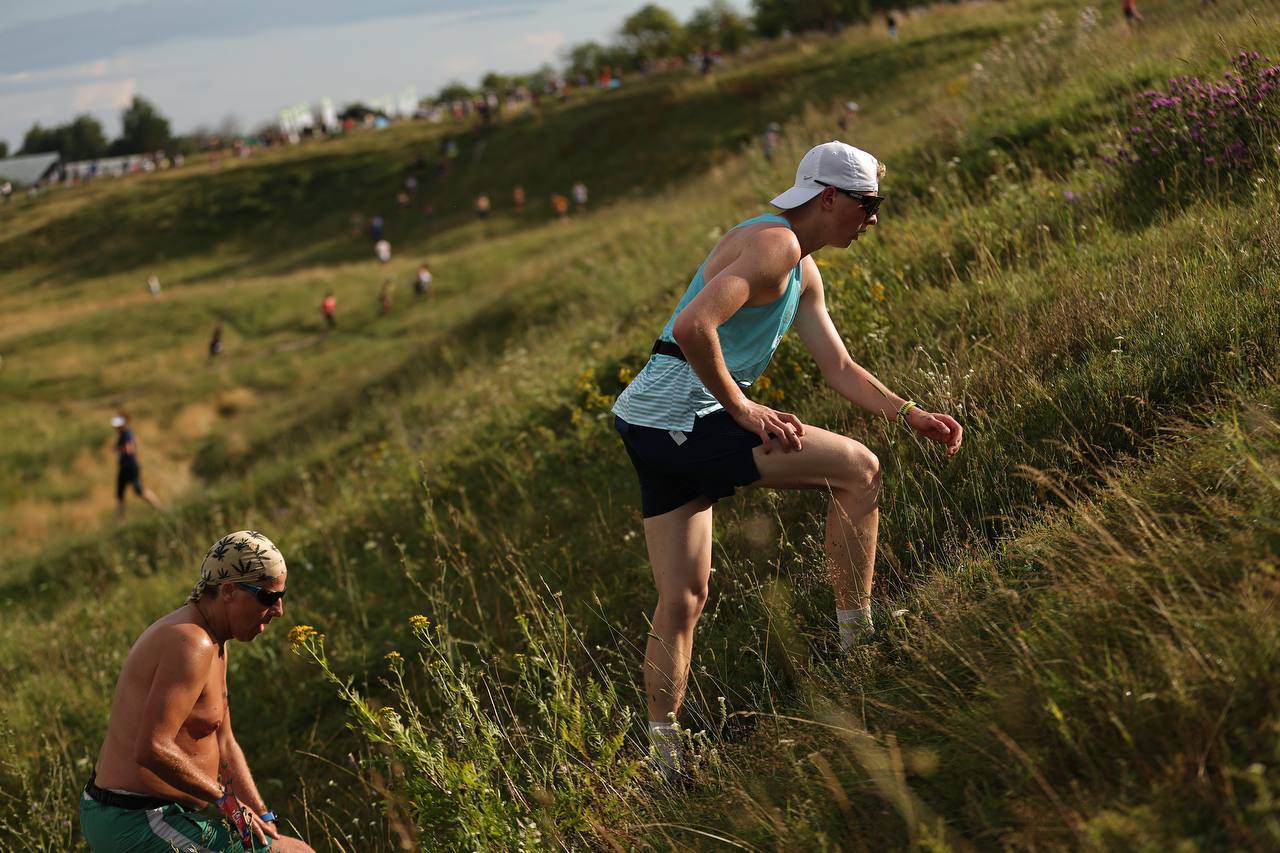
(665, 738)
(855, 626)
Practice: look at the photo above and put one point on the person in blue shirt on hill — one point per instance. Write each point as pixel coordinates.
(694, 436)
(128, 471)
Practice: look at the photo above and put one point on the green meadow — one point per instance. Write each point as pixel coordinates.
(1077, 641)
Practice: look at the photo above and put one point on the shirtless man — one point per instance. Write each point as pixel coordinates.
(170, 750)
(694, 436)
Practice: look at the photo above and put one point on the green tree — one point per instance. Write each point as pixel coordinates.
(653, 32)
(773, 17)
(38, 140)
(84, 139)
(454, 91)
(495, 82)
(80, 139)
(718, 25)
(4, 149)
(585, 58)
(144, 129)
(538, 80)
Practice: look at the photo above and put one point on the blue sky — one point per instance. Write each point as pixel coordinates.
(202, 61)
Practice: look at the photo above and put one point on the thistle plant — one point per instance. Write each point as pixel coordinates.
(1203, 132)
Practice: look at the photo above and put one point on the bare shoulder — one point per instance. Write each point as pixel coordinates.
(177, 636)
(771, 250)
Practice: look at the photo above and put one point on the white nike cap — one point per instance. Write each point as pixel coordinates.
(831, 164)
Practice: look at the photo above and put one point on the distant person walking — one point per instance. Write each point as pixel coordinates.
(6, 191)
(382, 250)
(580, 196)
(422, 282)
(384, 298)
(694, 436)
(128, 471)
(891, 23)
(560, 204)
(329, 308)
(517, 199)
(1132, 16)
(215, 342)
(153, 284)
(375, 228)
(769, 142)
(483, 205)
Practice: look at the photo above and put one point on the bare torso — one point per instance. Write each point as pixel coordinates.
(198, 737)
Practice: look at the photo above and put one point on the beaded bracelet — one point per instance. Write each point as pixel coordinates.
(905, 409)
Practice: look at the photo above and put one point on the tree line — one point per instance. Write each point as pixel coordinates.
(653, 33)
(143, 129)
(650, 33)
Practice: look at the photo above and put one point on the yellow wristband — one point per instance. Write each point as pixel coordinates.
(905, 409)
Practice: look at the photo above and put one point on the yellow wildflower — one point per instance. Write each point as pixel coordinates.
(300, 635)
(877, 291)
(393, 657)
(419, 622)
(625, 374)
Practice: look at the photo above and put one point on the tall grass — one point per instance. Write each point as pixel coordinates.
(475, 481)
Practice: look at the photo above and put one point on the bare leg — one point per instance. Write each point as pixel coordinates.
(850, 474)
(680, 552)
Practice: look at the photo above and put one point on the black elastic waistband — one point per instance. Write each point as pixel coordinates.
(132, 802)
(661, 347)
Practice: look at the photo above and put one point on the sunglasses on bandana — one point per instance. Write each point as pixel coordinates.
(266, 597)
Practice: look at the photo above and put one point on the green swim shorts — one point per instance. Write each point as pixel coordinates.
(167, 829)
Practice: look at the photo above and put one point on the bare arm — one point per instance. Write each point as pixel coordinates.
(235, 772)
(852, 381)
(235, 769)
(180, 676)
(849, 379)
(761, 265)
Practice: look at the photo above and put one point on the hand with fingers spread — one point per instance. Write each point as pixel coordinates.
(937, 427)
(781, 429)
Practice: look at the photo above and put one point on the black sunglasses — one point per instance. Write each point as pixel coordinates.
(266, 597)
(870, 203)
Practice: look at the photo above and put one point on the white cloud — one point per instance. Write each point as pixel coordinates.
(545, 45)
(460, 65)
(105, 95)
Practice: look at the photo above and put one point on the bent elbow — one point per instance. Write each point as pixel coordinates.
(147, 755)
(684, 329)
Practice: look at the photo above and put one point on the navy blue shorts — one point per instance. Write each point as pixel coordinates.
(127, 476)
(676, 467)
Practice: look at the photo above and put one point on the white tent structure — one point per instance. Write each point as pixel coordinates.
(28, 169)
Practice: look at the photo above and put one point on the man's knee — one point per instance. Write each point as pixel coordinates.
(860, 468)
(684, 605)
(286, 844)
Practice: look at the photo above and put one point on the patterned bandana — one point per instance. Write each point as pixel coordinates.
(245, 555)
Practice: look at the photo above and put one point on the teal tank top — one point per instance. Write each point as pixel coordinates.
(667, 394)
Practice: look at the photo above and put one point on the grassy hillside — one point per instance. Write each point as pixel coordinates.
(1086, 654)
